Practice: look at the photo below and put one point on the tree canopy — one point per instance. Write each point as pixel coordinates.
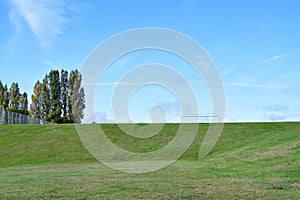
(58, 98)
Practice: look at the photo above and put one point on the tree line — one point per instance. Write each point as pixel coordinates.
(58, 97)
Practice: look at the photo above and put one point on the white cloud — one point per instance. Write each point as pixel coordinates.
(276, 108)
(102, 118)
(110, 83)
(228, 71)
(274, 57)
(15, 18)
(269, 25)
(278, 112)
(46, 19)
(120, 63)
(251, 85)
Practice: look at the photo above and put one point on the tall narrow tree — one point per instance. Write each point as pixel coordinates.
(45, 99)
(55, 94)
(4, 101)
(6, 97)
(1, 95)
(23, 106)
(71, 80)
(64, 95)
(14, 97)
(36, 99)
(76, 101)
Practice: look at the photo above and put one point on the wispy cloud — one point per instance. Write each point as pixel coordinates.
(102, 117)
(276, 108)
(47, 19)
(228, 71)
(274, 57)
(172, 110)
(269, 25)
(189, 4)
(171, 106)
(251, 85)
(118, 64)
(111, 83)
(276, 112)
(15, 18)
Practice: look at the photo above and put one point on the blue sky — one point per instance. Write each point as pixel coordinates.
(254, 44)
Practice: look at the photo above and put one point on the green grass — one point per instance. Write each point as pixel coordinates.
(250, 161)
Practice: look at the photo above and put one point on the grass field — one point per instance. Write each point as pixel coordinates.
(250, 161)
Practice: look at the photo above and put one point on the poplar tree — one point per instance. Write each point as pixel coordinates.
(14, 97)
(71, 81)
(59, 97)
(36, 99)
(1, 95)
(45, 99)
(64, 95)
(5, 97)
(55, 94)
(76, 101)
(23, 105)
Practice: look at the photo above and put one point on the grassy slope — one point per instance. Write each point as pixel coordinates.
(27, 145)
(251, 160)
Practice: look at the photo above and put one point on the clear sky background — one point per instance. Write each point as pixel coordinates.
(254, 43)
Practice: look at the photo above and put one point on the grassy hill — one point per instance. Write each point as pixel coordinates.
(251, 160)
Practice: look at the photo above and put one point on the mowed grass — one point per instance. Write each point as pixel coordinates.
(250, 161)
